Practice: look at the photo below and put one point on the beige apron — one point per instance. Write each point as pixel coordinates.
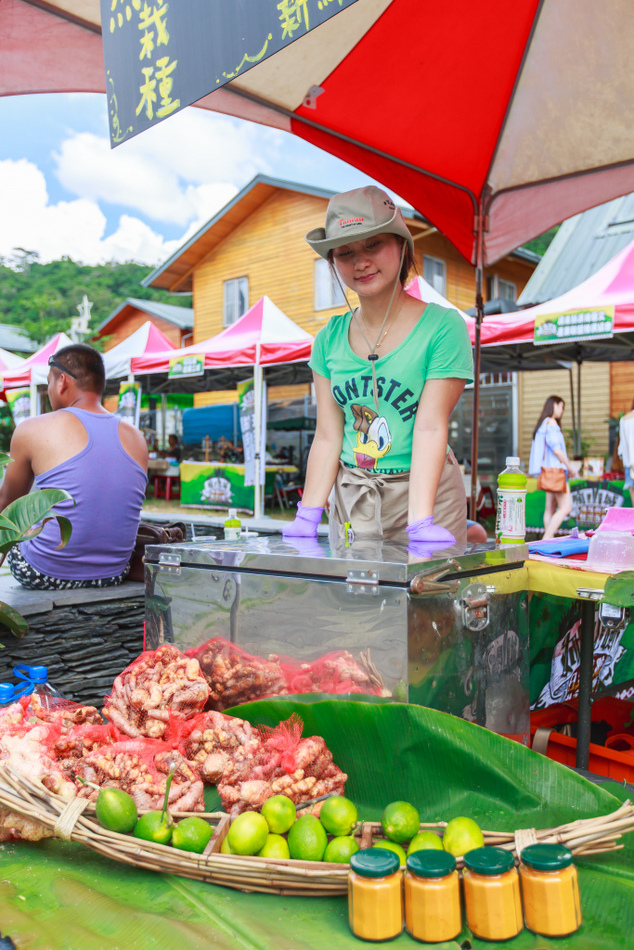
(376, 504)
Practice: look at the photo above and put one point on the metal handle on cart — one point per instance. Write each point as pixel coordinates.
(429, 582)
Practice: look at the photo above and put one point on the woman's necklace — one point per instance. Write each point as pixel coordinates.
(383, 333)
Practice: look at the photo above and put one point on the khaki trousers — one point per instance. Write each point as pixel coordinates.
(376, 505)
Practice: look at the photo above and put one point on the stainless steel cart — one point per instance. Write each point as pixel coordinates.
(450, 632)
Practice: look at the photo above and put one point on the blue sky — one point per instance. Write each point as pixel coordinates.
(63, 191)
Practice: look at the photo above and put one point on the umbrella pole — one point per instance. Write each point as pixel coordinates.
(578, 446)
(572, 403)
(476, 370)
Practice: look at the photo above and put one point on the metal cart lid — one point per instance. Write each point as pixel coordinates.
(385, 561)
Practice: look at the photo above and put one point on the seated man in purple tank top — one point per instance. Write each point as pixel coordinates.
(99, 459)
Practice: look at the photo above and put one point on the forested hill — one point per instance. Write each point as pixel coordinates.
(42, 298)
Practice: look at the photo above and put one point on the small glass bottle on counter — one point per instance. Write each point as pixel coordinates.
(550, 890)
(492, 894)
(432, 896)
(375, 895)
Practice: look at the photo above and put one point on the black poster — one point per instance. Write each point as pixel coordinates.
(163, 56)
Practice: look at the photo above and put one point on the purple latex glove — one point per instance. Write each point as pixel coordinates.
(305, 523)
(426, 530)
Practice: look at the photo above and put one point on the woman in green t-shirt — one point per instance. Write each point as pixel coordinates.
(387, 377)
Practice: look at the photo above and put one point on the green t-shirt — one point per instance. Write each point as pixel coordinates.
(437, 348)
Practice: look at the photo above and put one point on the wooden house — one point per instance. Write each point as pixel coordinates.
(255, 246)
(177, 323)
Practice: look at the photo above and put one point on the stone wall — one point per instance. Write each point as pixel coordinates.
(85, 646)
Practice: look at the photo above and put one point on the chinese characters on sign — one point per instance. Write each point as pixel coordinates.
(162, 56)
(574, 325)
(186, 366)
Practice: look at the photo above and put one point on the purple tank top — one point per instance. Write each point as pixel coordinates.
(108, 487)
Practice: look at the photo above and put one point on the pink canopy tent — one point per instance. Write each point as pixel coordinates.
(263, 337)
(423, 290)
(34, 370)
(147, 339)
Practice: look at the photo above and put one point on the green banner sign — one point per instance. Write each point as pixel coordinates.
(181, 366)
(161, 57)
(218, 485)
(20, 404)
(588, 324)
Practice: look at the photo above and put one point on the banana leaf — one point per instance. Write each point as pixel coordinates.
(29, 510)
(10, 618)
(56, 895)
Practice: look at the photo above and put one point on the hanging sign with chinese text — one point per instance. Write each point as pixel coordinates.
(588, 324)
(163, 56)
(181, 366)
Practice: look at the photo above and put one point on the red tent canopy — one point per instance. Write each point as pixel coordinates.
(35, 368)
(146, 339)
(263, 336)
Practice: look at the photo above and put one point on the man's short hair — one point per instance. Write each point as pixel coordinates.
(86, 364)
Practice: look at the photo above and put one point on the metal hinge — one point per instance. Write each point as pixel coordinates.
(475, 601)
(169, 563)
(362, 582)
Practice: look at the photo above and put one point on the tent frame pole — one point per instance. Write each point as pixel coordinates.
(572, 404)
(479, 276)
(578, 431)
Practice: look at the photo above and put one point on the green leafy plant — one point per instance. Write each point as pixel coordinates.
(23, 520)
(587, 442)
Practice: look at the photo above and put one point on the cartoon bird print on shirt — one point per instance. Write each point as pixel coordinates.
(373, 437)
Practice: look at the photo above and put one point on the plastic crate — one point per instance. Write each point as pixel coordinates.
(613, 763)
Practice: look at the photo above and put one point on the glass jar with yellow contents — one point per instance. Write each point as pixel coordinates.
(550, 890)
(432, 896)
(492, 894)
(375, 895)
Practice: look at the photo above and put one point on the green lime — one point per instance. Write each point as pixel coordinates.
(192, 834)
(307, 839)
(280, 813)
(425, 841)
(392, 846)
(338, 815)
(116, 810)
(340, 849)
(400, 821)
(462, 835)
(275, 847)
(248, 833)
(224, 847)
(151, 828)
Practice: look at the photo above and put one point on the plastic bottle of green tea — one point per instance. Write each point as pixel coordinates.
(510, 524)
(233, 526)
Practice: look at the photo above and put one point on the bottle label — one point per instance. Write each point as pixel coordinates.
(510, 524)
(233, 534)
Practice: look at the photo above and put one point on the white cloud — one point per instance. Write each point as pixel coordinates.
(76, 229)
(169, 172)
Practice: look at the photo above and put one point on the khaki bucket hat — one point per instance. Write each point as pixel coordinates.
(356, 215)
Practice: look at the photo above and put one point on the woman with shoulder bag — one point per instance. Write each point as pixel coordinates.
(550, 464)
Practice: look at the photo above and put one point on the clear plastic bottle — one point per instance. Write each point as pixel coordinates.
(233, 526)
(510, 524)
(10, 694)
(42, 689)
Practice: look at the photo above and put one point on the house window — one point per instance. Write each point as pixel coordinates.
(435, 273)
(507, 290)
(236, 299)
(328, 293)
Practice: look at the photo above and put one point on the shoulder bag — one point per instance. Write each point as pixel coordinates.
(153, 534)
(550, 478)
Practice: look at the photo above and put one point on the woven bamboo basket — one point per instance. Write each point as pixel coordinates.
(74, 821)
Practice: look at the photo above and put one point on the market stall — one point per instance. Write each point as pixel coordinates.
(221, 485)
(591, 498)
(33, 371)
(263, 340)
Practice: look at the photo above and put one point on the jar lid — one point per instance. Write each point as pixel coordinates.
(489, 860)
(430, 862)
(547, 857)
(375, 862)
